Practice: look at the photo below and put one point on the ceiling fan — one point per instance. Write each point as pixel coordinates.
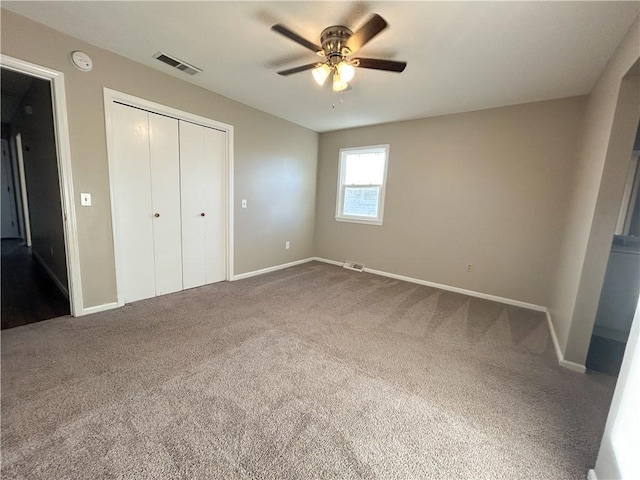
(338, 44)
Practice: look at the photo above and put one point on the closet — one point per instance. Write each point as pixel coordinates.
(169, 196)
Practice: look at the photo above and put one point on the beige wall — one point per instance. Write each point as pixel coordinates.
(275, 160)
(588, 231)
(487, 188)
(41, 174)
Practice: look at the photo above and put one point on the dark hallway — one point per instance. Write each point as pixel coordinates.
(28, 293)
(34, 269)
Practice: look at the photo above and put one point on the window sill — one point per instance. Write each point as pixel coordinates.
(363, 221)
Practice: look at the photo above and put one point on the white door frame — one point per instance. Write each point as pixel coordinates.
(23, 189)
(63, 150)
(110, 98)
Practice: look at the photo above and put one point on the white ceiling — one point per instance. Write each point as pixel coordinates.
(462, 56)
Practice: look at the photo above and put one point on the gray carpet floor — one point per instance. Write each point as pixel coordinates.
(307, 373)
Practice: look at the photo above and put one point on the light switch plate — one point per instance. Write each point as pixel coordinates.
(244, 203)
(85, 199)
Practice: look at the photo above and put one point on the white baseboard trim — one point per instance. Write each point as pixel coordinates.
(554, 338)
(98, 308)
(471, 293)
(569, 365)
(262, 271)
(52, 275)
(573, 366)
(325, 260)
(592, 475)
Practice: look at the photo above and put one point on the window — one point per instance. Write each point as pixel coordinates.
(361, 182)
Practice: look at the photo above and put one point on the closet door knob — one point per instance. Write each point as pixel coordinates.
(202, 214)
(156, 215)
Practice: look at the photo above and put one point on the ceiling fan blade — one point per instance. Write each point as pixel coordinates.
(281, 29)
(379, 64)
(369, 30)
(301, 68)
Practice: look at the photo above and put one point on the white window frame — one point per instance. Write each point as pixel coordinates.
(340, 217)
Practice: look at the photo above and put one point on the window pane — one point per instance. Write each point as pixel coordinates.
(361, 201)
(364, 168)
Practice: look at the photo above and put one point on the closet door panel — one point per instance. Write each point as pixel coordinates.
(214, 205)
(192, 183)
(134, 226)
(165, 192)
(202, 154)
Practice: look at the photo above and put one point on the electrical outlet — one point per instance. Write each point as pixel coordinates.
(469, 267)
(287, 245)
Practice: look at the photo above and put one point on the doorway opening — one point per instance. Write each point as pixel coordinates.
(35, 280)
(619, 296)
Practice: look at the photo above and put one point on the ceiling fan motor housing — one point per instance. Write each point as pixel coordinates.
(334, 41)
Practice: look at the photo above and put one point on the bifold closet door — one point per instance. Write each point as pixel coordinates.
(164, 152)
(202, 154)
(147, 198)
(133, 203)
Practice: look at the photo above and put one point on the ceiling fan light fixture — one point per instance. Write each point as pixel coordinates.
(338, 83)
(346, 71)
(321, 73)
(337, 44)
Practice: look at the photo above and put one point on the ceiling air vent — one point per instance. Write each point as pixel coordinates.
(175, 63)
